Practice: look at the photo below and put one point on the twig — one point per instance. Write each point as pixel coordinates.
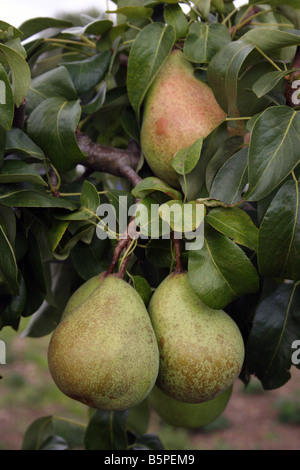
(118, 250)
(107, 159)
(122, 269)
(20, 114)
(177, 246)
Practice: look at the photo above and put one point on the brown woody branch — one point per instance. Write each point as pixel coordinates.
(118, 162)
(20, 115)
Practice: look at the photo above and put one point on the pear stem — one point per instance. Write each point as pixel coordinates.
(177, 246)
(118, 250)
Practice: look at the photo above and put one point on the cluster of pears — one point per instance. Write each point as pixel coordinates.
(178, 110)
(108, 351)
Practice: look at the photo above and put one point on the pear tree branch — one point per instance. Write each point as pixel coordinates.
(118, 162)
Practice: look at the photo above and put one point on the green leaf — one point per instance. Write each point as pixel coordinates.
(97, 28)
(8, 265)
(16, 196)
(53, 433)
(204, 8)
(8, 32)
(37, 433)
(139, 416)
(268, 81)
(8, 221)
(292, 3)
(220, 271)
(271, 39)
(10, 316)
(142, 287)
(204, 41)
(159, 253)
(236, 224)
(90, 259)
(182, 217)
(193, 185)
(151, 184)
(55, 82)
(129, 124)
(56, 233)
(148, 442)
(223, 71)
(148, 52)
(89, 202)
(275, 328)
(89, 198)
(35, 25)
(54, 443)
(63, 252)
(224, 152)
(133, 12)
(185, 160)
(47, 317)
(87, 73)
(106, 431)
(20, 70)
(6, 101)
(274, 150)
(18, 141)
(52, 126)
(231, 179)
(279, 235)
(16, 171)
(175, 17)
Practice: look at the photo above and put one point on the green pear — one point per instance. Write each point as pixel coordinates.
(188, 415)
(104, 354)
(201, 349)
(82, 293)
(179, 109)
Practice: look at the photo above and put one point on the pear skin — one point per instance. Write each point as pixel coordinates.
(82, 293)
(188, 415)
(201, 349)
(105, 353)
(179, 109)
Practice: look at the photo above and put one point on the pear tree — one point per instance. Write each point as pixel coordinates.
(188, 114)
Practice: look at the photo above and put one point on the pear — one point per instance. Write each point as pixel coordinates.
(188, 415)
(82, 293)
(104, 354)
(178, 110)
(201, 349)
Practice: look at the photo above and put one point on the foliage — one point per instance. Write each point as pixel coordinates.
(94, 78)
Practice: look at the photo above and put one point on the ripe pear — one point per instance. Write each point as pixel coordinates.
(104, 354)
(188, 415)
(82, 293)
(201, 349)
(179, 109)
